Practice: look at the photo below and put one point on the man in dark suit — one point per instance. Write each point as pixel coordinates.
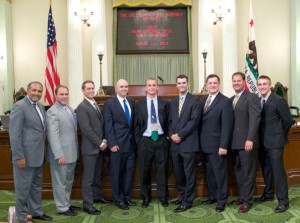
(215, 136)
(93, 145)
(27, 131)
(150, 130)
(276, 121)
(245, 143)
(118, 115)
(184, 117)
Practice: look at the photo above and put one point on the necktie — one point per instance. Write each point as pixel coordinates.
(37, 109)
(71, 115)
(235, 100)
(126, 112)
(96, 107)
(154, 131)
(263, 104)
(180, 105)
(207, 103)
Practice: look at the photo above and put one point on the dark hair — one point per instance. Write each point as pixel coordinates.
(86, 82)
(34, 82)
(181, 76)
(240, 74)
(60, 86)
(212, 76)
(264, 77)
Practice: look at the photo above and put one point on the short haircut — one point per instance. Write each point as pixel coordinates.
(239, 74)
(212, 76)
(34, 82)
(151, 79)
(181, 76)
(86, 82)
(264, 77)
(60, 86)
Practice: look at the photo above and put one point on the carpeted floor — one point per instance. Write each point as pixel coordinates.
(260, 213)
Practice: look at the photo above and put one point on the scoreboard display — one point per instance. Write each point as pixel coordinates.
(152, 30)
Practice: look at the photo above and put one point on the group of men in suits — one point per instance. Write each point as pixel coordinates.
(244, 124)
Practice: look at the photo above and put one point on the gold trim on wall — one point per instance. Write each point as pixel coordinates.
(134, 3)
(10, 1)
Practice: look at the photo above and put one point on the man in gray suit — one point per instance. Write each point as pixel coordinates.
(244, 143)
(90, 120)
(27, 131)
(276, 121)
(63, 150)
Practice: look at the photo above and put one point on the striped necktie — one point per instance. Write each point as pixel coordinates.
(180, 105)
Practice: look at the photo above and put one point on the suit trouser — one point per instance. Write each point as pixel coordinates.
(216, 172)
(122, 166)
(185, 172)
(28, 188)
(91, 179)
(62, 181)
(274, 174)
(245, 166)
(157, 151)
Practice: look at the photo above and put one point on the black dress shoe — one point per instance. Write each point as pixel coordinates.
(103, 201)
(68, 212)
(164, 202)
(74, 208)
(183, 207)
(145, 202)
(220, 208)
(177, 201)
(92, 210)
(123, 206)
(263, 199)
(209, 201)
(43, 217)
(281, 208)
(130, 203)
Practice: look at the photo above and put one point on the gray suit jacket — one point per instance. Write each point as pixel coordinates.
(62, 134)
(247, 118)
(91, 125)
(27, 133)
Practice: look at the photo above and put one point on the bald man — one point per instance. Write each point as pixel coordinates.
(118, 126)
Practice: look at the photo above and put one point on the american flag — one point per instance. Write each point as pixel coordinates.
(52, 77)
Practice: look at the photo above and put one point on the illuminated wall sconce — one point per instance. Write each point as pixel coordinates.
(219, 14)
(85, 16)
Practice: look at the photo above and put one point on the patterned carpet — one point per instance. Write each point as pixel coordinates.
(155, 213)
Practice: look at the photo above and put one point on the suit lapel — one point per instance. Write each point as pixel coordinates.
(93, 108)
(269, 100)
(240, 102)
(144, 109)
(120, 110)
(185, 105)
(35, 113)
(215, 101)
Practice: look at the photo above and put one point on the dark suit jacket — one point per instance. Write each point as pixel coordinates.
(186, 125)
(141, 117)
(276, 121)
(247, 118)
(117, 130)
(217, 124)
(91, 125)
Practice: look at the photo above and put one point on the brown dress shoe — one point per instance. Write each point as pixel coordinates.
(237, 202)
(244, 208)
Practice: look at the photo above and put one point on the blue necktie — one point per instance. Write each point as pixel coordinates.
(154, 132)
(126, 111)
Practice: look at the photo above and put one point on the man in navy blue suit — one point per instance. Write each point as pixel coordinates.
(184, 117)
(276, 121)
(118, 126)
(216, 130)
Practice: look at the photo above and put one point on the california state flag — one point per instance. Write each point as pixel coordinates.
(251, 67)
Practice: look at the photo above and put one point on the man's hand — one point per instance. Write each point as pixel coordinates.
(62, 161)
(222, 152)
(104, 146)
(21, 163)
(175, 138)
(114, 149)
(248, 146)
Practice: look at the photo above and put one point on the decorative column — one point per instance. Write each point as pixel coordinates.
(205, 41)
(99, 39)
(294, 92)
(75, 64)
(230, 60)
